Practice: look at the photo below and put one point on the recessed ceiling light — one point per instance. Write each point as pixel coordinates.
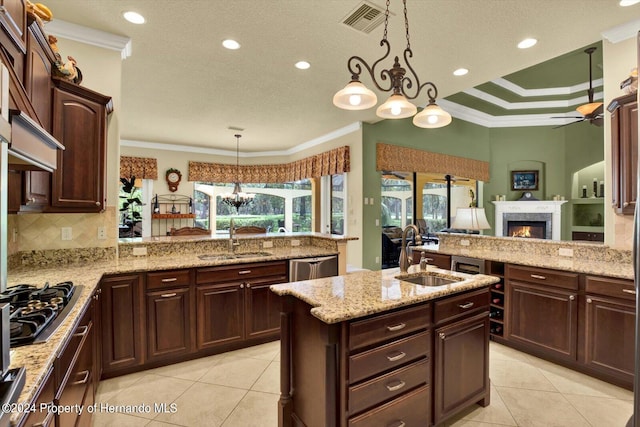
(231, 44)
(628, 2)
(134, 17)
(302, 65)
(460, 72)
(527, 43)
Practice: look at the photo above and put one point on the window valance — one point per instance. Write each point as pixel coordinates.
(395, 158)
(331, 162)
(140, 167)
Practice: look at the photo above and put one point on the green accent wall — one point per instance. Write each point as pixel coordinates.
(556, 153)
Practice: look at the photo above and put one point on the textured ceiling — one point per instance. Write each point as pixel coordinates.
(180, 86)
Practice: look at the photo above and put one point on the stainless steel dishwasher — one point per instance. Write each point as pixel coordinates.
(313, 268)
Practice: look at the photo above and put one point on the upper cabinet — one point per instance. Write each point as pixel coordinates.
(37, 74)
(13, 19)
(80, 124)
(624, 153)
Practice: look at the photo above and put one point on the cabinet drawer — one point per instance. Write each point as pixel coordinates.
(410, 410)
(72, 349)
(382, 328)
(618, 288)
(232, 273)
(388, 356)
(461, 305)
(544, 276)
(173, 278)
(388, 386)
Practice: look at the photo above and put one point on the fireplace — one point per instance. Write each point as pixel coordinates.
(543, 217)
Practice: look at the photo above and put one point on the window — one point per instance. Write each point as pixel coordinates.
(337, 204)
(397, 199)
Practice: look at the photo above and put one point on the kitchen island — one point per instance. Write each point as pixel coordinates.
(374, 348)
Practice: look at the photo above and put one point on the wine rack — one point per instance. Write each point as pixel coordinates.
(497, 311)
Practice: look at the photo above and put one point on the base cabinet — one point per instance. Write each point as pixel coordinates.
(168, 323)
(44, 396)
(220, 317)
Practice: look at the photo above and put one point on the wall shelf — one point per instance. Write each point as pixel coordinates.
(171, 211)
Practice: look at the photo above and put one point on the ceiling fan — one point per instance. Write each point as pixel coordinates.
(591, 111)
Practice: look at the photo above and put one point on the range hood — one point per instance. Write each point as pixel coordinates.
(31, 144)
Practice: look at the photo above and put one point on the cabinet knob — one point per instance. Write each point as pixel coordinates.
(248, 285)
(572, 297)
(589, 300)
(98, 203)
(442, 335)
(241, 285)
(625, 204)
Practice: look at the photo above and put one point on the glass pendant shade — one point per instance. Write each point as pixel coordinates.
(355, 96)
(396, 107)
(432, 116)
(470, 219)
(587, 109)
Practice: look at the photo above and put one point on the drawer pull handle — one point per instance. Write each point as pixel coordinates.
(81, 331)
(84, 379)
(538, 276)
(589, 300)
(172, 294)
(48, 419)
(396, 357)
(465, 306)
(396, 327)
(398, 424)
(397, 386)
(629, 291)
(170, 279)
(571, 297)
(244, 271)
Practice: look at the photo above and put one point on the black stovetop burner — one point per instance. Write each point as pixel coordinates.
(34, 309)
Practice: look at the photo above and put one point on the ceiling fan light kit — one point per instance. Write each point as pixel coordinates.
(356, 96)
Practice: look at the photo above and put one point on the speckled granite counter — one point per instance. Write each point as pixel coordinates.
(37, 358)
(587, 257)
(336, 299)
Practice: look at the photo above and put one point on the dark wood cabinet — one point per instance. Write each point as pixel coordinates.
(262, 308)
(44, 396)
(37, 79)
(168, 323)
(13, 20)
(624, 153)
(80, 124)
(14, 193)
(122, 320)
(220, 314)
(543, 310)
(587, 236)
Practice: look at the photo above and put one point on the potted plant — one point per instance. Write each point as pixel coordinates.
(130, 208)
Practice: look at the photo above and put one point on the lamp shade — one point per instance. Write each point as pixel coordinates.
(355, 96)
(470, 219)
(432, 116)
(396, 107)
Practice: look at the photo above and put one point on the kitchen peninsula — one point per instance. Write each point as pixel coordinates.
(377, 348)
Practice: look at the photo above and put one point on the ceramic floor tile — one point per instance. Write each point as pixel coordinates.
(235, 371)
(110, 387)
(191, 370)
(256, 409)
(468, 423)
(496, 413)
(265, 351)
(269, 381)
(602, 411)
(204, 405)
(512, 373)
(502, 352)
(536, 408)
(104, 419)
(151, 390)
(154, 423)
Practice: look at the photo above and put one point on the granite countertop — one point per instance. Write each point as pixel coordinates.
(611, 268)
(38, 358)
(358, 294)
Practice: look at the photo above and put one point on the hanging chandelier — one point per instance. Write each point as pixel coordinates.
(356, 96)
(238, 198)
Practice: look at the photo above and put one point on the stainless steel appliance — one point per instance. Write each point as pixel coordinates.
(313, 268)
(467, 265)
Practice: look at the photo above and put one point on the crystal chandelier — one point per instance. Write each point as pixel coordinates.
(356, 96)
(238, 198)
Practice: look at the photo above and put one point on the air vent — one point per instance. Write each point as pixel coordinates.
(365, 17)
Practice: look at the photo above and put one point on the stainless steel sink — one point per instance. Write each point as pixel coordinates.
(217, 257)
(428, 280)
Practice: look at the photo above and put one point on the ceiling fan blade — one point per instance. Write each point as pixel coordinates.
(598, 111)
(568, 117)
(567, 124)
(597, 121)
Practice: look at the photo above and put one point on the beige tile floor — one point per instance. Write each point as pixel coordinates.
(240, 389)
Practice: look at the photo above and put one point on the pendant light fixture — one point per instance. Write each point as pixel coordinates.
(356, 96)
(238, 198)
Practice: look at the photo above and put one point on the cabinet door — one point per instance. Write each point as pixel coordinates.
(262, 311)
(122, 338)
(220, 314)
(79, 123)
(610, 336)
(97, 338)
(168, 325)
(44, 396)
(629, 156)
(37, 79)
(13, 19)
(544, 318)
(461, 371)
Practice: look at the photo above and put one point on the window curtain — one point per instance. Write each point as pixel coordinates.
(140, 167)
(331, 162)
(396, 158)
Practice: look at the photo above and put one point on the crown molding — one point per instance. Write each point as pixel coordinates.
(532, 104)
(621, 32)
(82, 34)
(552, 91)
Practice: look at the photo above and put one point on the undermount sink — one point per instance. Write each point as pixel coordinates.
(428, 280)
(216, 257)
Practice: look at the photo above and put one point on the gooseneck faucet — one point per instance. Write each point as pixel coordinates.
(405, 261)
(233, 239)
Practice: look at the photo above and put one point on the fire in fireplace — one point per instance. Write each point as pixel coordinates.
(528, 229)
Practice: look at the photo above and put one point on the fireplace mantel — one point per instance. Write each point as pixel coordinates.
(554, 207)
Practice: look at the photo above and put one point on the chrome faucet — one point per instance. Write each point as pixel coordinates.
(405, 261)
(233, 238)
